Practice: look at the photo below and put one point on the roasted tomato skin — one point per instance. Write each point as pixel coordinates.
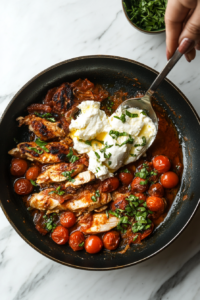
(157, 190)
(120, 203)
(137, 187)
(161, 163)
(93, 244)
(147, 232)
(75, 240)
(60, 235)
(126, 178)
(169, 180)
(109, 185)
(23, 187)
(111, 240)
(67, 219)
(32, 173)
(18, 167)
(141, 196)
(155, 204)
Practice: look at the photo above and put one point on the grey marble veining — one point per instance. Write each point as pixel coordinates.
(35, 35)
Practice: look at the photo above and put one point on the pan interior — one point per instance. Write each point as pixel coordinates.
(114, 74)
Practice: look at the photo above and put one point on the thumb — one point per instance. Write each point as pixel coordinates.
(190, 35)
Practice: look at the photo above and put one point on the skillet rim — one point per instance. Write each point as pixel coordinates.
(89, 57)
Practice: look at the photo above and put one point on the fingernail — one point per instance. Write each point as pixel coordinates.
(186, 45)
(187, 57)
(167, 54)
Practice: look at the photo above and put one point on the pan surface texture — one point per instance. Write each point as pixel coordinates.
(113, 73)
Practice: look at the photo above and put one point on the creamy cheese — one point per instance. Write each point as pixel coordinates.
(110, 142)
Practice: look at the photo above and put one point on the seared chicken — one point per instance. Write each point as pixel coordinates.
(81, 179)
(82, 201)
(100, 223)
(57, 152)
(42, 128)
(62, 100)
(53, 173)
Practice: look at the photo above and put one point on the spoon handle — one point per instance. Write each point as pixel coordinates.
(170, 64)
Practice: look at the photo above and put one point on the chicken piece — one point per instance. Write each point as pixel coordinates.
(30, 150)
(62, 100)
(53, 173)
(42, 128)
(81, 179)
(84, 201)
(46, 200)
(100, 223)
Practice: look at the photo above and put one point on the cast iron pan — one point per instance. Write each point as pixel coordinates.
(114, 73)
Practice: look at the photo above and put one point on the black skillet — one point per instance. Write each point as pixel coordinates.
(114, 73)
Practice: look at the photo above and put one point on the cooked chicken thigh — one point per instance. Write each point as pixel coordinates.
(42, 128)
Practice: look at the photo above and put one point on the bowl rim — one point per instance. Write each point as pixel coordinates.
(92, 57)
(138, 28)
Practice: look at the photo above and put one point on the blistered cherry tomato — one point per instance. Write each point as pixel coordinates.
(76, 241)
(23, 187)
(109, 185)
(156, 189)
(139, 185)
(125, 178)
(169, 180)
(140, 196)
(18, 167)
(147, 232)
(93, 244)
(32, 173)
(60, 235)
(161, 163)
(120, 203)
(155, 203)
(111, 240)
(67, 219)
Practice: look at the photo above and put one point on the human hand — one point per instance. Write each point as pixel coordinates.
(182, 20)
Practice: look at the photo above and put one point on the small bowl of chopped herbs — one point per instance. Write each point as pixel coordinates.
(147, 16)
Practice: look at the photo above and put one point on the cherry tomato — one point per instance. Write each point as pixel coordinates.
(67, 219)
(32, 173)
(60, 235)
(18, 167)
(156, 189)
(169, 180)
(23, 187)
(140, 196)
(147, 232)
(125, 178)
(138, 185)
(161, 163)
(110, 185)
(111, 240)
(41, 230)
(76, 241)
(93, 244)
(120, 203)
(155, 203)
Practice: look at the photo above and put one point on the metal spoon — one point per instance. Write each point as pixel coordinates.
(144, 102)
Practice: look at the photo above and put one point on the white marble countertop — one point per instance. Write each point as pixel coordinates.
(35, 35)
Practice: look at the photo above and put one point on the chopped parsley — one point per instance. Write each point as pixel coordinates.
(144, 113)
(130, 115)
(122, 118)
(97, 195)
(71, 157)
(146, 14)
(33, 182)
(107, 155)
(144, 182)
(135, 238)
(125, 171)
(143, 143)
(81, 244)
(115, 134)
(107, 214)
(41, 144)
(97, 155)
(46, 116)
(36, 150)
(130, 140)
(109, 163)
(50, 225)
(106, 147)
(67, 174)
(57, 191)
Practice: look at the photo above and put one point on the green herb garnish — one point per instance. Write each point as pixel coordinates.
(109, 163)
(41, 144)
(135, 238)
(57, 191)
(46, 116)
(36, 150)
(107, 214)
(146, 14)
(106, 147)
(125, 171)
(97, 155)
(130, 140)
(33, 182)
(122, 118)
(130, 115)
(67, 174)
(50, 226)
(144, 113)
(81, 244)
(115, 134)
